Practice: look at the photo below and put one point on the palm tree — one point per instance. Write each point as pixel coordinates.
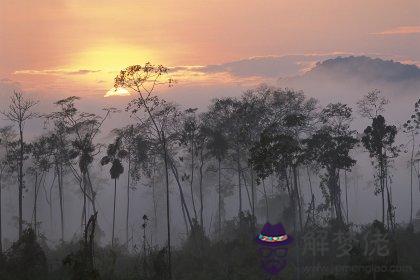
(115, 153)
(128, 137)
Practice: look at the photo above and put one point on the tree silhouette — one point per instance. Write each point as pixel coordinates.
(379, 140)
(19, 112)
(143, 80)
(372, 104)
(60, 147)
(225, 115)
(412, 127)
(329, 148)
(218, 146)
(83, 127)
(41, 157)
(129, 142)
(188, 138)
(115, 153)
(277, 154)
(7, 136)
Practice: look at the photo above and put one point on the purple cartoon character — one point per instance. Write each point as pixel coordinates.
(273, 248)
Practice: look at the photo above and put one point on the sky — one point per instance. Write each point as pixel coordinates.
(77, 47)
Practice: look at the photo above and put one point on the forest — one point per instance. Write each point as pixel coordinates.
(215, 179)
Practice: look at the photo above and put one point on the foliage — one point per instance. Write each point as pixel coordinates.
(26, 260)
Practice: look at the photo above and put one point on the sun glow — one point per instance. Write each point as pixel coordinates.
(120, 91)
(113, 57)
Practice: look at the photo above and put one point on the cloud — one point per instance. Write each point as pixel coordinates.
(400, 30)
(268, 66)
(253, 70)
(56, 72)
(117, 92)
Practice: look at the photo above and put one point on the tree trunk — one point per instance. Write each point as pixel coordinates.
(295, 229)
(181, 193)
(20, 178)
(312, 194)
(297, 195)
(337, 199)
(51, 205)
(35, 205)
(84, 214)
(247, 191)
(381, 181)
(113, 215)
(239, 180)
(192, 181)
(187, 230)
(154, 198)
(411, 179)
(252, 193)
(201, 190)
(165, 156)
(347, 202)
(266, 202)
(219, 199)
(60, 193)
(92, 192)
(128, 202)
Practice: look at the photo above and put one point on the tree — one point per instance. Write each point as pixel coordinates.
(115, 153)
(379, 140)
(285, 123)
(201, 151)
(411, 127)
(329, 148)
(7, 136)
(19, 112)
(372, 104)
(41, 164)
(129, 142)
(83, 128)
(225, 115)
(60, 147)
(188, 138)
(278, 153)
(217, 146)
(26, 258)
(143, 80)
(141, 160)
(253, 119)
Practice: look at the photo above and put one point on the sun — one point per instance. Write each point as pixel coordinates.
(120, 91)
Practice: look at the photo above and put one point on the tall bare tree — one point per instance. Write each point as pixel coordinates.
(20, 110)
(143, 80)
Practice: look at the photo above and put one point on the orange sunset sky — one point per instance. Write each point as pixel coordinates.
(79, 46)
